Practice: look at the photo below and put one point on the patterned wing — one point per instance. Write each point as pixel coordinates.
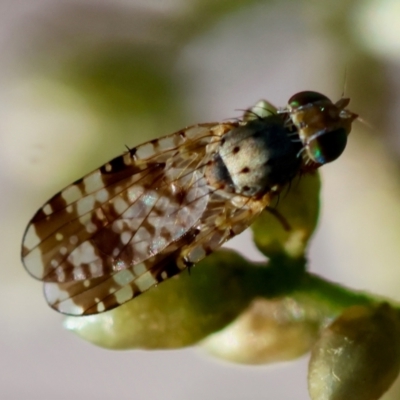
(224, 217)
(114, 233)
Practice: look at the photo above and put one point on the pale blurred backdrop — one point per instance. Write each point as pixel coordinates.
(79, 80)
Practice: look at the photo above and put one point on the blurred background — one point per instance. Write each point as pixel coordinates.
(79, 80)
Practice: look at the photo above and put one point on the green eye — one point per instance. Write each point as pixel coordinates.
(304, 98)
(328, 146)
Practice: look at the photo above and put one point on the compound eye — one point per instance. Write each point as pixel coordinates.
(305, 98)
(328, 146)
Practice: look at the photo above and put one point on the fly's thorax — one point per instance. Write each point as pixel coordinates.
(255, 157)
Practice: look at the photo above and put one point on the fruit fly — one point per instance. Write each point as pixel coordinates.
(163, 206)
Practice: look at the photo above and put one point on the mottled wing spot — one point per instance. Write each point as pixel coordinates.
(93, 182)
(69, 307)
(124, 277)
(120, 205)
(90, 228)
(47, 209)
(85, 205)
(145, 281)
(31, 240)
(33, 262)
(71, 194)
(146, 150)
(85, 253)
(124, 294)
(100, 307)
(102, 195)
(139, 269)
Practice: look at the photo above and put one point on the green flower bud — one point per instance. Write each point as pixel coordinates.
(268, 331)
(178, 313)
(298, 205)
(261, 109)
(357, 357)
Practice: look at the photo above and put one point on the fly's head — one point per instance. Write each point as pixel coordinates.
(323, 126)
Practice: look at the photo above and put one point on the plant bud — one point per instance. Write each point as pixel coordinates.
(178, 313)
(296, 214)
(267, 331)
(358, 356)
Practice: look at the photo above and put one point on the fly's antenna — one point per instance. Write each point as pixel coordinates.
(366, 123)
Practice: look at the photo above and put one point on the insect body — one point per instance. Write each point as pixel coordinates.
(165, 205)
